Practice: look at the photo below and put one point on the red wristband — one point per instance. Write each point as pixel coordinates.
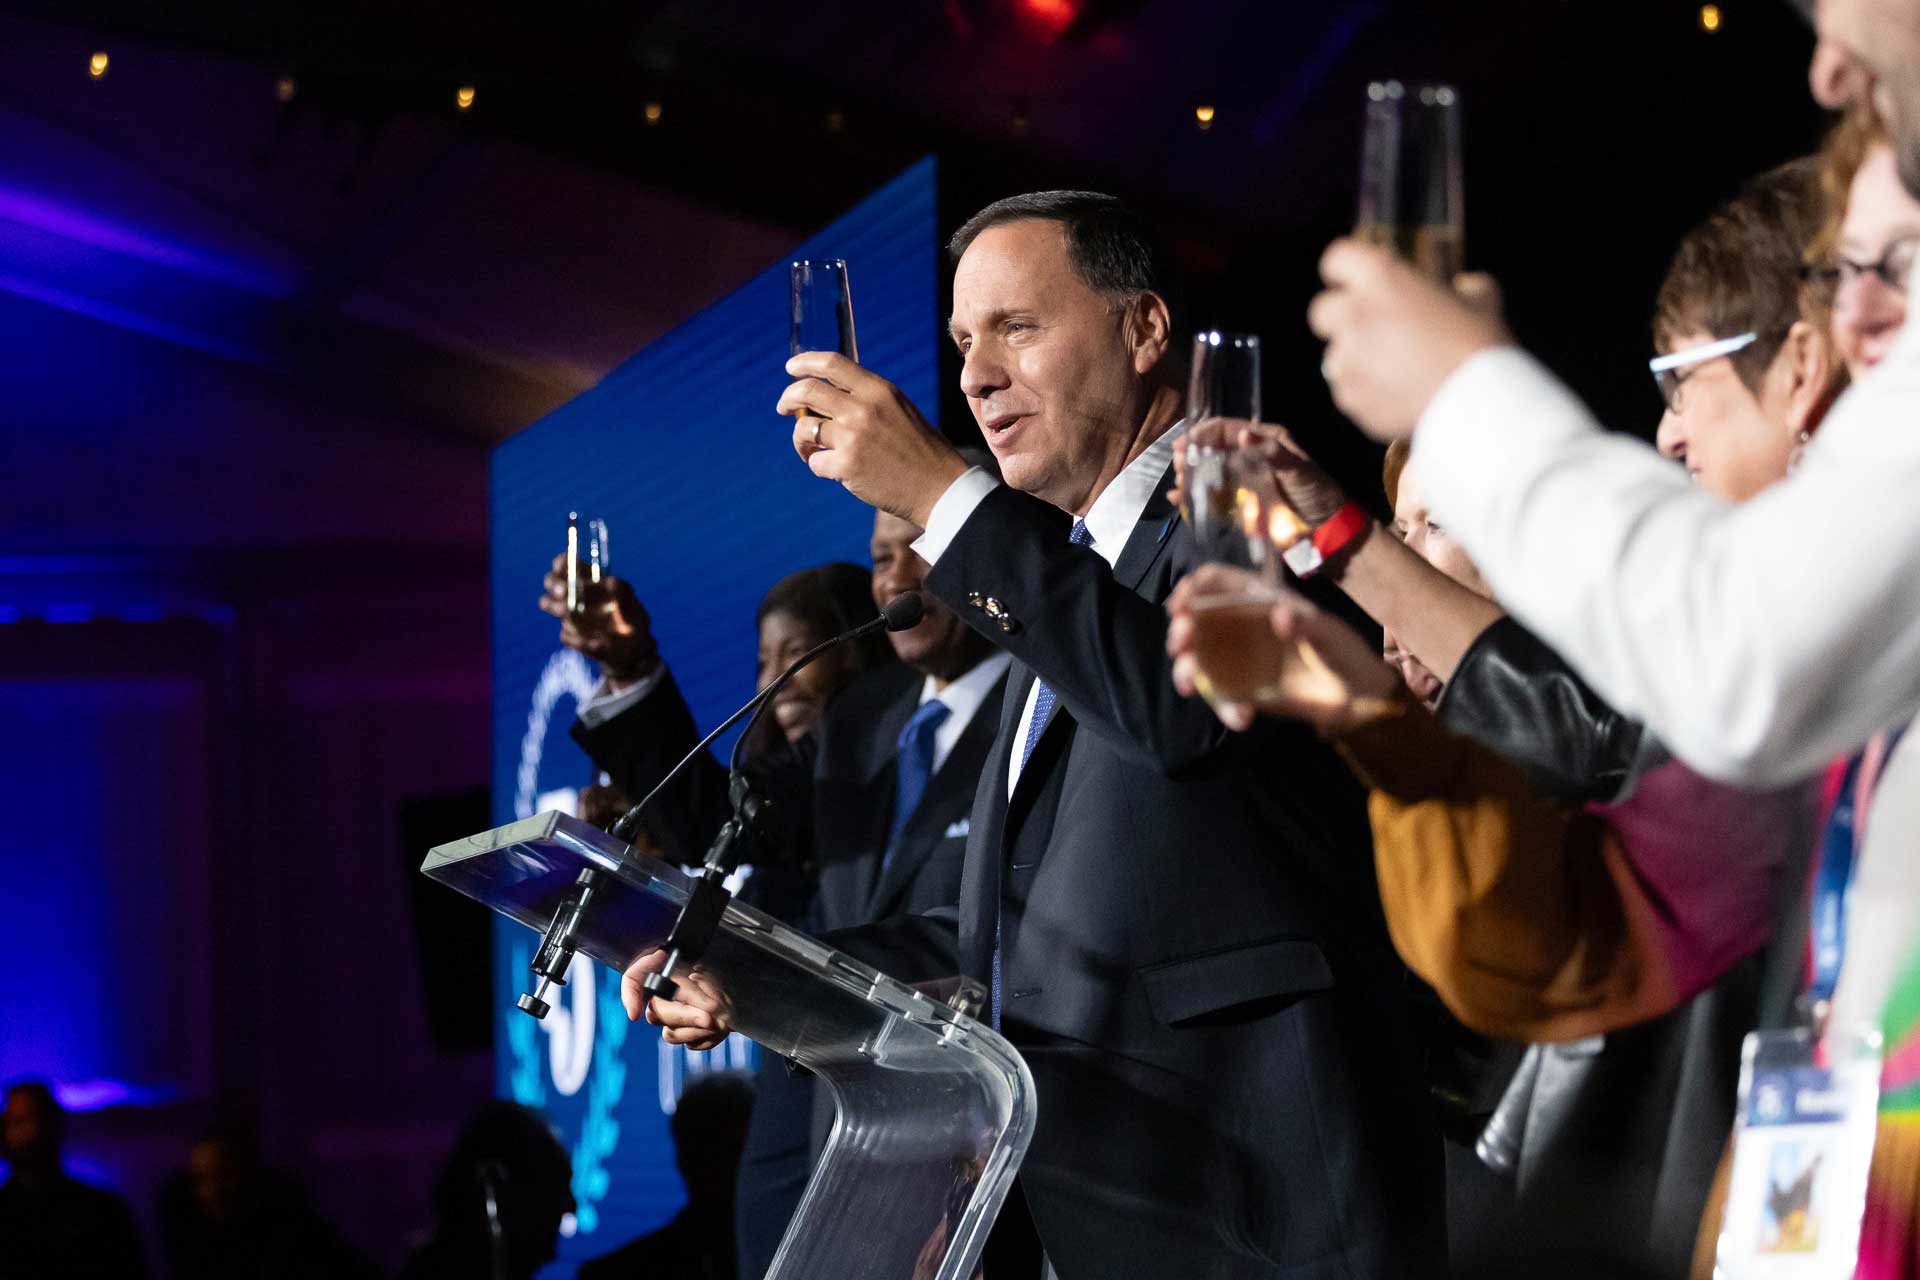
(1340, 529)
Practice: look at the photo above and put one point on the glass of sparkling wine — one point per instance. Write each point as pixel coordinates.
(1232, 507)
(822, 311)
(1412, 197)
(595, 563)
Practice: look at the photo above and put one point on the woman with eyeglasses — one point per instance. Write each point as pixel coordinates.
(1747, 373)
(1862, 261)
(1865, 905)
(1516, 880)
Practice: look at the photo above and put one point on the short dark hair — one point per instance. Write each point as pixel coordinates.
(1113, 249)
(713, 1109)
(1739, 271)
(53, 1116)
(517, 1139)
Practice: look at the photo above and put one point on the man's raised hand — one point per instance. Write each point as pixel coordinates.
(856, 427)
(1394, 336)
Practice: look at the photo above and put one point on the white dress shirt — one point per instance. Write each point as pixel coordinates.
(1757, 641)
(963, 697)
(1110, 522)
(605, 703)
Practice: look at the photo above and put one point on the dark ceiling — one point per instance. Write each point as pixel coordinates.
(781, 108)
(1596, 133)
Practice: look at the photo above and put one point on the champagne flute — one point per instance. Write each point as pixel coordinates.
(1222, 485)
(1412, 190)
(596, 563)
(1230, 503)
(822, 310)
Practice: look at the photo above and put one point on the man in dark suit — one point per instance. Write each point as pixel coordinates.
(900, 754)
(896, 755)
(1179, 925)
(892, 767)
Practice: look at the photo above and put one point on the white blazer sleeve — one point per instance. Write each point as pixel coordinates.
(1757, 641)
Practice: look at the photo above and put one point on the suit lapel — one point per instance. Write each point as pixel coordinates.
(951, 785)
(1149, 537)
(1145, 545)
(980, 873)
(880, 748)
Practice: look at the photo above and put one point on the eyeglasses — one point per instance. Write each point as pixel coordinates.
(1894, 267)
(1670, 372)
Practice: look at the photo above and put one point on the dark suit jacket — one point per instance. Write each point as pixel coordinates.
(854, 789)
(1194, 964)
(637, 747)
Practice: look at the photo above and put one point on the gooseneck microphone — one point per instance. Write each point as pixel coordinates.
(694, 929)
(700, 917)
(902, 613)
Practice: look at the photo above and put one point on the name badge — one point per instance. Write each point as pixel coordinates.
(1802, 1143)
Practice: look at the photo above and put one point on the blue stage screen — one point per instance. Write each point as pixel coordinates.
(680, 451)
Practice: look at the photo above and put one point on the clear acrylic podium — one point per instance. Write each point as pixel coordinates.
(933, 1109)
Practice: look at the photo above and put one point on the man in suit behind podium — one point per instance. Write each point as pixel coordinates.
(1179, 925)
(900, 754)
(893, 764)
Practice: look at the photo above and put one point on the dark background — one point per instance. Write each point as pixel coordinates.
(253, 355)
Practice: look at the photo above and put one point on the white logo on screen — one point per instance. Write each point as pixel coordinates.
(566, 674)
(569, 1028)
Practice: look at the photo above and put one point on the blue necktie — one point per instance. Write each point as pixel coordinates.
(1042, 712)
(914, 769)
(1043, 701)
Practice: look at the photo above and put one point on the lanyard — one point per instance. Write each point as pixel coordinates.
(1833, 876)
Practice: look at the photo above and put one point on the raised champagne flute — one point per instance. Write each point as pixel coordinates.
(1230, 504)
(595, 562)
(822, 311)
(1223, 382)
(1412, 191)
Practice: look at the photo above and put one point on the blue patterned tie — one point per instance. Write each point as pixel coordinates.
(914, 769)
(1042, 712)
(1043, 701)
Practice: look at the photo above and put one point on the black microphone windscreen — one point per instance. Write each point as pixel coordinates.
(904, 611)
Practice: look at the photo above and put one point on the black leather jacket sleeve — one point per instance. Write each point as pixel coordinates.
(1514, 695)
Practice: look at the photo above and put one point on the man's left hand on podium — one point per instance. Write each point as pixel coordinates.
(856, 427)
(700, 1018)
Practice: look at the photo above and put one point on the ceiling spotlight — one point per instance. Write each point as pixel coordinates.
(463, 97)
(97, 65)
(1709, 18)
(652, 112)
(1203, 116)
(284, 88)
